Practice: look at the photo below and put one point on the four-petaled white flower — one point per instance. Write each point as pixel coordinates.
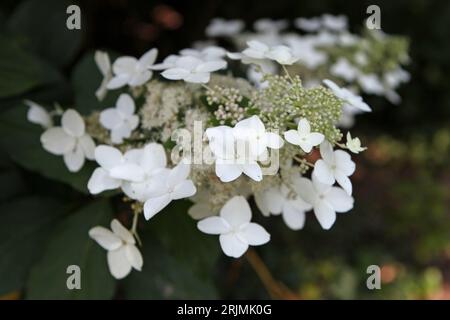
(123, 255)
(354, 144)
(103, 63)
(121, 120)
(258, 51)
(172, 185)
(38, 115)
(334, 166)
(303, 136)
(326, 200)
(282, 54)
(131, 71)
(282, 200)
(347, 96)
(191, 69)
(233, 225)
(70, 140)
(219, 27)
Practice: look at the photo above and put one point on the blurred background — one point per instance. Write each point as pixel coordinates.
(401, 219)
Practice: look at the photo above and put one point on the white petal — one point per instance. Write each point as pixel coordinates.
(253, 171)
(125, 104)
(73, 123)
(344, 162)
(344, 182)
(228, 172)
(211, 66)
(154, 205)
(74, 159)
(202, 77)
(105, 238)
(119, 133)
(305, 145)
(274, 141)
(118, 81)
(140, 78)
(293, 217)
(200, 211)
(324, 214)
(175, 73)
(153, 157)
(101, 181)
(102, 60)
(37, 114)
(305, 189)
(148, 58)
(262, 203)
(56, 141)
(303, 127)
(213, 225)
(178, 174)
(292, 137)
(87, 144)
(184, 189)
(255, 234)
(323, 173)
(127, 171)
(122, 232)
(326, 151)
(119, 266)
(124, 65)
(232, 246)
(108, 157)
(134, 256)
(236, 211)
(339, 200)
(316, 138)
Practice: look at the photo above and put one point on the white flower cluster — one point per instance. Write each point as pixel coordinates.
(137, 164)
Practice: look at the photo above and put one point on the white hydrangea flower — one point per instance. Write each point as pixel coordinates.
(131, 71)
(303, 136)
(334, 166)
(38, 115)
(168, 62)
(236, 232)
(354, 145)
(370, 83)
(343, 69)
(266, 25)
(305, 49)
(325, 200)
(123, 255)
(121, 120)
(70, 141)
(258, 51)
(347, 96)
(309, 25)
(210, 53)
(219, 27)
(104, 65)
(191, 69)
(279, 200)
(172, 185)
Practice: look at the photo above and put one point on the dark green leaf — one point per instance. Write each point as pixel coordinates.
(21, 140)
(70, 245)
(43, 24)
(25, 227)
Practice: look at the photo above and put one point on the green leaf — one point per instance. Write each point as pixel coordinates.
(86, 79)
(25, 227)
(179, 260)
(70, 245)
(21, 140)
(43, 25)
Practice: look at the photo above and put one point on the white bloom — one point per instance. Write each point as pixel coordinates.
(210, 53)
(233, 225)
(38, 115)
(191, 69)
(121, 120)
(334, 166)
(173, 185)
(343, 69)
(304, 48)
(254, 132)
(282, 54)
(303, 136)
(258, 51)
(354, 145)
(104, 65)
(349, 97)
(70, 140)
(232, 157)
(270, 26)
(278, 200)
(131, 71)
(370, 83)
(325, 199)
(168, 62)
(395, 77)
(114, 169)
(334, 23)
(219, 27)
(309, 25)
(123, 255)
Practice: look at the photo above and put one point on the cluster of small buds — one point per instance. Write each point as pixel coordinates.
(228, 103)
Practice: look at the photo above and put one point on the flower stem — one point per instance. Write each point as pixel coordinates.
(134, 228)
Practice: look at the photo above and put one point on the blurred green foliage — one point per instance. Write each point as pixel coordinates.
(400, 222)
